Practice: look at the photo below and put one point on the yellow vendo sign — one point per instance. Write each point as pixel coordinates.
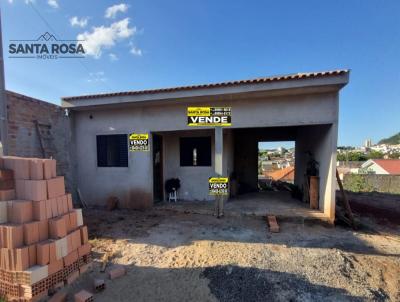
(139, 142)
(209, 116)
(218, 186)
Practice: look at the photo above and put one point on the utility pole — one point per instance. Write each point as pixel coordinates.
(3, 102)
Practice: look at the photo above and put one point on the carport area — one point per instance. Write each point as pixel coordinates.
(311, 141)
(240, 164)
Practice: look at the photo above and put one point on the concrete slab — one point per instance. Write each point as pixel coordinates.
(279, 204)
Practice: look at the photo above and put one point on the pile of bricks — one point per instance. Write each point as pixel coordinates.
(43, 242)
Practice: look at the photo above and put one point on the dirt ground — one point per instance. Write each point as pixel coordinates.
(186, 257)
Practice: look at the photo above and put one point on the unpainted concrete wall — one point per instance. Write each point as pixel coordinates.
(321, 142)
(134, 184)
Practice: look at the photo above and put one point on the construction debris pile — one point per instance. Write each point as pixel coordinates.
(43, 241)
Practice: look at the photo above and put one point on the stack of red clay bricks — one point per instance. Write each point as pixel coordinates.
(43, 241)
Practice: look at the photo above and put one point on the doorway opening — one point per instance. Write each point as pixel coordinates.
(158, 181)
(276, 165)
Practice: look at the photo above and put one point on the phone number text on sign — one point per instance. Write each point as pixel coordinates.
(139, 142)
(209, 116)
(218, 186)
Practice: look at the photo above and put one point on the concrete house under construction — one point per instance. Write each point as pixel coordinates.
(300, 107)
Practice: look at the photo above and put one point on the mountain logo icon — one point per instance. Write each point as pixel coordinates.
(47, 37)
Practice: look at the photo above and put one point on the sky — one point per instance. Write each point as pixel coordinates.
(133, 45)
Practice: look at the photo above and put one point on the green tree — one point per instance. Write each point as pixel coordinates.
(375, 154)
(351, 156)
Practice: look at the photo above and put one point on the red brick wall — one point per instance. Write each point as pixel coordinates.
(23, 139)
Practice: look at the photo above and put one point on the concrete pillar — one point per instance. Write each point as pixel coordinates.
(218, 164)
(219, 140)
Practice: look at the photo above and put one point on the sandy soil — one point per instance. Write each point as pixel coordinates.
(187, 257)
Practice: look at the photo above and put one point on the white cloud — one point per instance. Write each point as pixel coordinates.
(105, 37)
(136, 51)
(75, 21)
(113, 57)
(52, 3)
(112, 11)
(95, 77)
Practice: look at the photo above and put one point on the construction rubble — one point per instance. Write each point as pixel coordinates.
(44, 243)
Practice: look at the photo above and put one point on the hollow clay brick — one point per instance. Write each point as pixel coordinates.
(55, 187)
(20, 211)
(73, 220)
(65, 203)
(20, 188)
(32, 255)
(76, 239)
(3, 212)
(70, 258)
(7, 194)
(37, 273)
(83, 296)
(70, 244)
(36, 190)
(36, 169)
(43, 230)
(19, 165)
(84, 234)
(60, 207)
(70, 203)
(57, 228)
(43, 253)
(8, 184)
(39, 210)
(49, 213)
(21, 259)
(61, 248)
(53, 250)
(12, 236)
(79, 217)
(47, 169)
(6, 174)
(84, 250)
(117, 272)
(54, 208)
(55, 266)
(31, 233)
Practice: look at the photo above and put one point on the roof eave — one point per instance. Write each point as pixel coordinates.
(334, 82)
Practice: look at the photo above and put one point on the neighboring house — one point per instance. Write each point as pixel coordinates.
(381, 166)
(285, 174)
(301, 107)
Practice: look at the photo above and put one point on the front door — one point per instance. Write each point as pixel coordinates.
(158, 186)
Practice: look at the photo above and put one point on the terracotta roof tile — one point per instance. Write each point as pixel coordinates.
(392, 166)
(294, 76)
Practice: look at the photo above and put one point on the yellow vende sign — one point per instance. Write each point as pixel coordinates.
(209, 116)
(139, 142)
(218, 186)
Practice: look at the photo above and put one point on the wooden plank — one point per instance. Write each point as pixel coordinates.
(345, 201)
(273, 224)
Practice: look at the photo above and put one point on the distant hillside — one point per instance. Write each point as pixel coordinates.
(393, 140)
